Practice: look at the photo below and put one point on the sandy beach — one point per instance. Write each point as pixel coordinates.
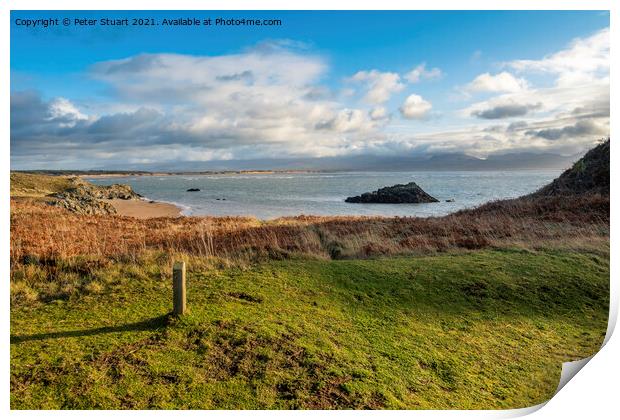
(142, 209)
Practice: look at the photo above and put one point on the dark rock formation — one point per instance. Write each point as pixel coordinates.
(84, 205)
(397, 194)
(83, 189)
(589, 175)
(193, 189)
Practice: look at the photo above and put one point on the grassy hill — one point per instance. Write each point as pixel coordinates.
(589, 175)
(37, 185)
(484, 329)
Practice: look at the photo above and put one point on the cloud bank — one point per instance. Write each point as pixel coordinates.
(273, 100)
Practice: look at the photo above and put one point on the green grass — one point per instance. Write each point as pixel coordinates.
(486, 329)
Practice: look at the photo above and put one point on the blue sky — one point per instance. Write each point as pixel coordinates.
(519, 58)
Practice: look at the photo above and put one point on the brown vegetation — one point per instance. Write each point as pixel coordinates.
(43, 233)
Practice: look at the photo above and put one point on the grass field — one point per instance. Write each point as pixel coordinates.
(469, 329)
(33, 185)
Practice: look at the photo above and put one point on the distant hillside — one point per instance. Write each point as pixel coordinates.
(438, 162)
(589, 175)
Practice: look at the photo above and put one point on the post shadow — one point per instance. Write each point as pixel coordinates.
(145, 325)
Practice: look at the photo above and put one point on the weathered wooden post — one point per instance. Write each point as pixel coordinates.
(178, 288)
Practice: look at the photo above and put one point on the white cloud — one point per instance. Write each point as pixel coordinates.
(64, 111)
(379, 85)
(378, 113)
(170, 78)
(573, 107)
(236, 100)
(346, 120)
(501, 82)
(566, 136)
(583, 61)
(244, 105)
(421, 73)
(593, 97)
(415, 107)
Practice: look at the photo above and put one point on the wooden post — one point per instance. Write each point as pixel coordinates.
(178, 288)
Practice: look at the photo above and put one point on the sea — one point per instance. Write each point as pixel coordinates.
(272, 195)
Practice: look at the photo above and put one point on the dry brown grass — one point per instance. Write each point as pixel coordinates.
(56, 254)
(39, 232)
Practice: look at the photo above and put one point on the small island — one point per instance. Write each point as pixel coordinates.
(396, 194)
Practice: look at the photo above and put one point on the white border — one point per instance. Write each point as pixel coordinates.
(593, 393)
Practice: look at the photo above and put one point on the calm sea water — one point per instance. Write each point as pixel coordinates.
(268, 196)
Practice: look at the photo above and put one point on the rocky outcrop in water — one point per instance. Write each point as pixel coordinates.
(396, 194)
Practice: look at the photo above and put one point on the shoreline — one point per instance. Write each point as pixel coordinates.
(144, 209)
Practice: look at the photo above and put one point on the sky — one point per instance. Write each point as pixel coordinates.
(321, 84)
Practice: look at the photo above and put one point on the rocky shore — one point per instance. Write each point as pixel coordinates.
(86, 198)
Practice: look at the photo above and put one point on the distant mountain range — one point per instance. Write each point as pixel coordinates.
(443, 162)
